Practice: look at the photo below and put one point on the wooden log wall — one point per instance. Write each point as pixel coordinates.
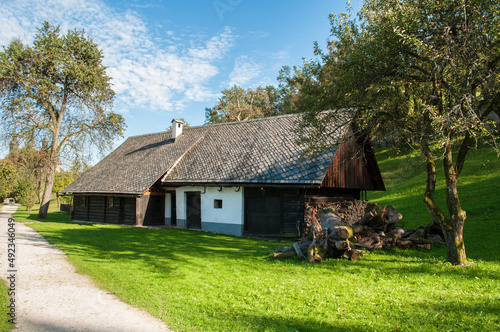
(292, 207)
(127, 210)
(96, 206)
(79, 208)
(96, 209)
(112, 213)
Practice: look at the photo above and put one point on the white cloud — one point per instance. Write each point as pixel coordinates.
(145, 74)
(215, 47)
(245, 70)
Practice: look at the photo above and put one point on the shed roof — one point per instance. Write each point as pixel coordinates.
(260, 151)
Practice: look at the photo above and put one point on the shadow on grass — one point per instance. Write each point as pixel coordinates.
(159, 248)
(226, 268)
(164, 249)
(256, 322)
(56, 216)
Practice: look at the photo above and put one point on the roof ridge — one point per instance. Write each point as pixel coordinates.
(264, 118)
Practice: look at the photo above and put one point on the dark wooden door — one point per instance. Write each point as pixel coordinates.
(156, 210)
(173, 209)
(121, 213)
(263, 215)
(193, 210)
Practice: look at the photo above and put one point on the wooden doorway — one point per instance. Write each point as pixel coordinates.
(155, 213)
(263, 215)
(173, 209)
(193, 210)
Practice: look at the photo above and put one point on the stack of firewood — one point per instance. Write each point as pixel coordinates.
(344, 228)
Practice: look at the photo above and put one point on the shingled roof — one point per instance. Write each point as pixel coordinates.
(260, 151)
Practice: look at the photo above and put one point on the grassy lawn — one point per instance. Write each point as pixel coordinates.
(4, 302)
(5, 326)
(210, 282)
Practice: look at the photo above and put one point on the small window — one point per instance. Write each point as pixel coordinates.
(217, 203)
(109, 202)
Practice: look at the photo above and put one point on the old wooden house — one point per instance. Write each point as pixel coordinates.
(237, 178)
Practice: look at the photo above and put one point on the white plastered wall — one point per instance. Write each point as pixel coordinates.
(230, 217)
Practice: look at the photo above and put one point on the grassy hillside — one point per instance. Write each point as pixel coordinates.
(404, 175)
(210, 282)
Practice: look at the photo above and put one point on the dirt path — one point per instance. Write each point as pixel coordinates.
(51, 296)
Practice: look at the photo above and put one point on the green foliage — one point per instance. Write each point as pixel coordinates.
(59, 78)
(8, 178)
(237, 104)
(293, 82)
(418, 70)
(58, 90)
(424, 72)
(26, 193)
(404, 174)
(61, 181)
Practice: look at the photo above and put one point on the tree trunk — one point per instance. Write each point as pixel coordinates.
(49, 182)
(453, 226)
(41, 183)
(455, 243)
(44, 205)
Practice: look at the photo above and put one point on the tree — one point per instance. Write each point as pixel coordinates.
(292, 82)
(237, 104)
(425, 71)
(31, 165)
(57, 88)
(8, 178)
(61, 181)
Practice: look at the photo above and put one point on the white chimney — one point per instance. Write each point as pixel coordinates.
(177, 128)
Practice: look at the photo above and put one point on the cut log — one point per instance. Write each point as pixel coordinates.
(356, 229)
(364, 246)
(353, 255)
(370, 215)
(405, 244)
(315, 254)
(341, 245)
(426, 246)
(329, 218)
(330, 232)
(281, 255)
(297, 249)
(340, 233)
(370, 240)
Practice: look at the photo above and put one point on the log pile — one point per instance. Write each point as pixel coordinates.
(343, 229)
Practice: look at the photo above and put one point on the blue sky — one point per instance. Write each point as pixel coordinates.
(170, 59)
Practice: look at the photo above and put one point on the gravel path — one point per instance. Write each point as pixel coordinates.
(51, 296)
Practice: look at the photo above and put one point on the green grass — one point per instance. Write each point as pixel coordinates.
(54, 214)
(5, 325)
(479, 192)
(210, 282)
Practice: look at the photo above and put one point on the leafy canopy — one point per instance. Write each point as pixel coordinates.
(58, 88)
(426, 72)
